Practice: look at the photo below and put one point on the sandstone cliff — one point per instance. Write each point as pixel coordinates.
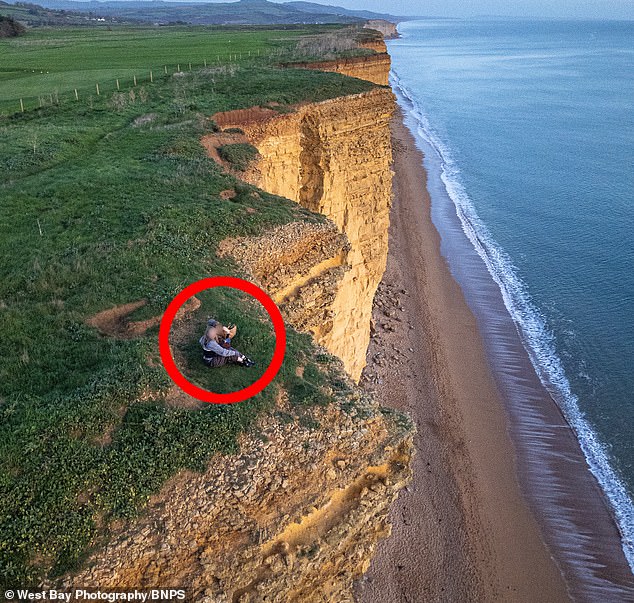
(374, 68)
(300, 264)
(333, 158)
(376, 45)
(296, 515)
(387, 28)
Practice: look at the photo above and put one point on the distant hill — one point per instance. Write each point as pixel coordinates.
(312, 7)
(244, 12)
(34, 15)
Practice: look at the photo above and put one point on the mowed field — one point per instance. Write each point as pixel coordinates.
(48, 63)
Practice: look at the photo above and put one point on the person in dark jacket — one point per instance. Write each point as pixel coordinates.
(217, 350)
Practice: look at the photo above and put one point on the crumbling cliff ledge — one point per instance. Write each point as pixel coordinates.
(373, 68)
(334, 158)
(294, 517)
(300, 264)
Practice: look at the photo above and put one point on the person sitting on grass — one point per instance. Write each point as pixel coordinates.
(216, 344)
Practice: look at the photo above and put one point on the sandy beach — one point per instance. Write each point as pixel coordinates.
(461, 530)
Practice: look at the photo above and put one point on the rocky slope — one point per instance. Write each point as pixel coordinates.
(295, 516)
(333, 158)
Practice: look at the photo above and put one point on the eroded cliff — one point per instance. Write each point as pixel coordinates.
(294, 517)
(333, 158)
(387, 29)
(296, 514)
(373, 68)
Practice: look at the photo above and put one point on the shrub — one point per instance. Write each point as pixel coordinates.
(325, 46)
(10, 28)
(239, 155)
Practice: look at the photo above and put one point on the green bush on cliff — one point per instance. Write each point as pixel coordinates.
(239, 155)
(331, 45)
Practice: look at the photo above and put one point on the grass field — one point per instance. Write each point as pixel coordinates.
(103, 202)
(49, 62)
(255, 339)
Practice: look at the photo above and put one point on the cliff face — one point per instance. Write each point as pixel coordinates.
(333, 158)
(373, 68)
(294, 517)
(387, 28)
(300, 264)
(376, 45)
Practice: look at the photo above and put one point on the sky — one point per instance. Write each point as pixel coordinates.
(608, 9)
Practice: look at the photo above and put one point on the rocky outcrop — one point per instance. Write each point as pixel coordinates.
(300, 264)
(294, 517)
(333, 158)
(387, 28)
(373, 68)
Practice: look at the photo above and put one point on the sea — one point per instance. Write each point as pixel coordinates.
(527, 128)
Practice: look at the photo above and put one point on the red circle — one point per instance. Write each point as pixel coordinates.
(198, 392)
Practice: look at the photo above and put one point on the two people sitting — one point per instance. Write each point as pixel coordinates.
(216, 344)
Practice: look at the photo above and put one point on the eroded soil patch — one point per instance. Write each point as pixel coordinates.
(213, 142)
(115, 322)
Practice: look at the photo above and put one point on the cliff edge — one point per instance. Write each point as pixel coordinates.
(333, 158)
(374, 68)
(296, 514)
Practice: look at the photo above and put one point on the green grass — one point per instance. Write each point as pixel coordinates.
(56, 61)
(239, 155)
(103, 202)
(255, 338)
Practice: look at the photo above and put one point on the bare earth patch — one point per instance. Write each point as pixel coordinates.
(177, 398)
(229, 193)
(115, 322)
(213, 142)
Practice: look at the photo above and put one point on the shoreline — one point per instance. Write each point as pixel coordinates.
(456, 528)
(554, 475)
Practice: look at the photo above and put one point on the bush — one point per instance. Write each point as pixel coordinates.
(10, 28)
(239, 155)
(325, 46)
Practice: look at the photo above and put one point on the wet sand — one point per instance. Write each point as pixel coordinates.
(461, 530)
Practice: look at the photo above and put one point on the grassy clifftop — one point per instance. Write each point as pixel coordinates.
(106, 201)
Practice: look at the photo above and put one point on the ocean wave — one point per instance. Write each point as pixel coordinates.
(536, 337)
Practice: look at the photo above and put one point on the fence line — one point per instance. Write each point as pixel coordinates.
(26, 103)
